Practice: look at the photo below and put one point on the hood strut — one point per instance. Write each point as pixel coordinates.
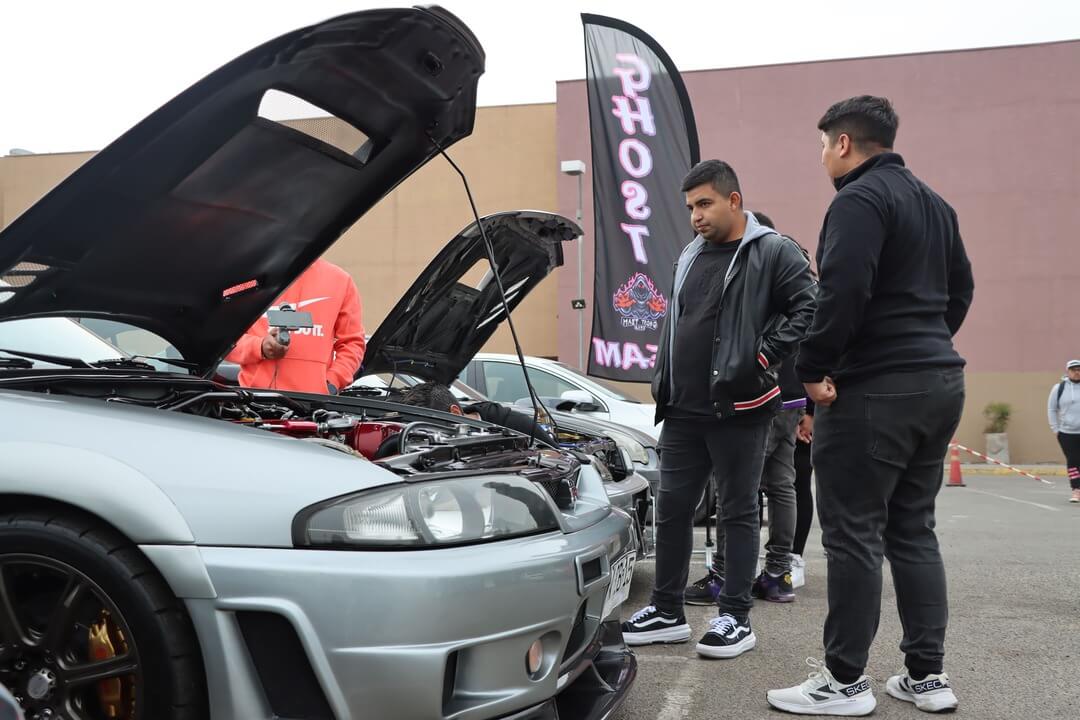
(490, 250)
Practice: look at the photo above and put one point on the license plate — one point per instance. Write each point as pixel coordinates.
(622, 572)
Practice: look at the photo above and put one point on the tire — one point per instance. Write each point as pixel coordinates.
(46, 649)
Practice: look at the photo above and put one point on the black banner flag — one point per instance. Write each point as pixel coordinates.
(644, 140)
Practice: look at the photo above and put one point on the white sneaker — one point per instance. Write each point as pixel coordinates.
(798, 571)
(650, 625)
(931, 694)
(822, 694)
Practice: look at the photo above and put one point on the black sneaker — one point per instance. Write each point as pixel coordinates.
(649, 625)
(773, 588)
(704, 591)
(727, 637)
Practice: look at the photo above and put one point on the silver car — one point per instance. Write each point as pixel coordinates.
(175, 549)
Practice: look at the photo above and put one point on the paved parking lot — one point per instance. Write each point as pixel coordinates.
(1012, 553)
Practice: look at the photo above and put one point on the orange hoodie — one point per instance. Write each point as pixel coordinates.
(329, 352)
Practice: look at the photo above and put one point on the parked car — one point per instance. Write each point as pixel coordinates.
(177, 549)
(500, 378)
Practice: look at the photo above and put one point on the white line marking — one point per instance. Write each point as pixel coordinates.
(672, 659)
(679, 700)
(1016, 500)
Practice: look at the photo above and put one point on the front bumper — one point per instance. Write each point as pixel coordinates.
(601, 686)
(634, 496)
(440, 634)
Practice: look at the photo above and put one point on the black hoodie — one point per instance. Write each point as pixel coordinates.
(895, 281)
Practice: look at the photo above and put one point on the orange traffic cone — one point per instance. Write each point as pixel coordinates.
(956, 479)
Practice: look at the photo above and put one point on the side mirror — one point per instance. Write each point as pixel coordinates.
(577, 400)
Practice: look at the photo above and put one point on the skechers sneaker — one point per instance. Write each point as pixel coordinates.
(822, 694)
(931, 694)
(773, 588)
(727, 637)
(704, 591)
(649, 625)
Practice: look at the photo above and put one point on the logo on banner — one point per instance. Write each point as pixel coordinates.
(639, 303)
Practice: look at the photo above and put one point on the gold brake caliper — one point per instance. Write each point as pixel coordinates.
(117, 695)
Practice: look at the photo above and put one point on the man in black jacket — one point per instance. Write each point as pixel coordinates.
(741, 301)
(888, 387)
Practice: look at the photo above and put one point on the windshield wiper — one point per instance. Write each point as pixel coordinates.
(55, 359)
(15, 363)
(123, 364)
(185, 364)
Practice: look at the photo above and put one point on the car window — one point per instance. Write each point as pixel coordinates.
(505, 382)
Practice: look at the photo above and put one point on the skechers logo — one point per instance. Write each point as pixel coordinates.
(927, 686)
(853, 690)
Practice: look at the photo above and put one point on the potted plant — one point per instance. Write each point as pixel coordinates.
(997, 421)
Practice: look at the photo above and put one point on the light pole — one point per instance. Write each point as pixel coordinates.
(576, 168)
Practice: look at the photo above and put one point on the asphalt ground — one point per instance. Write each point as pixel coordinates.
(1012, 555)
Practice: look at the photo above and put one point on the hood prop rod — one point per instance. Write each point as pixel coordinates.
(490, 250)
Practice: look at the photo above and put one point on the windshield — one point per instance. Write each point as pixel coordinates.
(55, 336)
(598, 386)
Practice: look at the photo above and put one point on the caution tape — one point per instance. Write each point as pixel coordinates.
(978, 454)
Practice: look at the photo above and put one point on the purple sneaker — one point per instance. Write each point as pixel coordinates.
(704, 591)
(774, 589)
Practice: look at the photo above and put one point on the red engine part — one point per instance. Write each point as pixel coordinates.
(366, 437)
(293, 428)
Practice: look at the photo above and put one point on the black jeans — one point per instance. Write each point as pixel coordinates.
(734, 450)
(1070, 445)
(778, 483)
(878, 456)
(804, 497)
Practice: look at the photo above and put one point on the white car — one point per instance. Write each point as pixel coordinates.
(499, 377)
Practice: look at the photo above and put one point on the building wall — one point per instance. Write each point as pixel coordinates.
(996, 145)
(508, 161)
(973, 125)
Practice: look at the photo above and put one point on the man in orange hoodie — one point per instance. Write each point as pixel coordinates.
(319, 359)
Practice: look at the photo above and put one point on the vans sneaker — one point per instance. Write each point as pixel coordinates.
(650, 625)
(727, 637)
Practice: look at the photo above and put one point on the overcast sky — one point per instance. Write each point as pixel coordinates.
(75, 74)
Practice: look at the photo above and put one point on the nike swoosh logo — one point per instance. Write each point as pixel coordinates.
(312, 301)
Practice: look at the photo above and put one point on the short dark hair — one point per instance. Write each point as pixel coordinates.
(433, 395)
(763, 219)
(868, 120)
(716, 172)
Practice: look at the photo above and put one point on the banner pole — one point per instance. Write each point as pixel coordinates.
(580, 276)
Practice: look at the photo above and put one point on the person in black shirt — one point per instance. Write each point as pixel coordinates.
(776, 583)
(888, 389)
(741, 301)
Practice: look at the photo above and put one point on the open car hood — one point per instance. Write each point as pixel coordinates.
(442, 322)
(195, 220)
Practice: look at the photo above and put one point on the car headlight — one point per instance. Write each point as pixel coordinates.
(439, 513)
(637, 451)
